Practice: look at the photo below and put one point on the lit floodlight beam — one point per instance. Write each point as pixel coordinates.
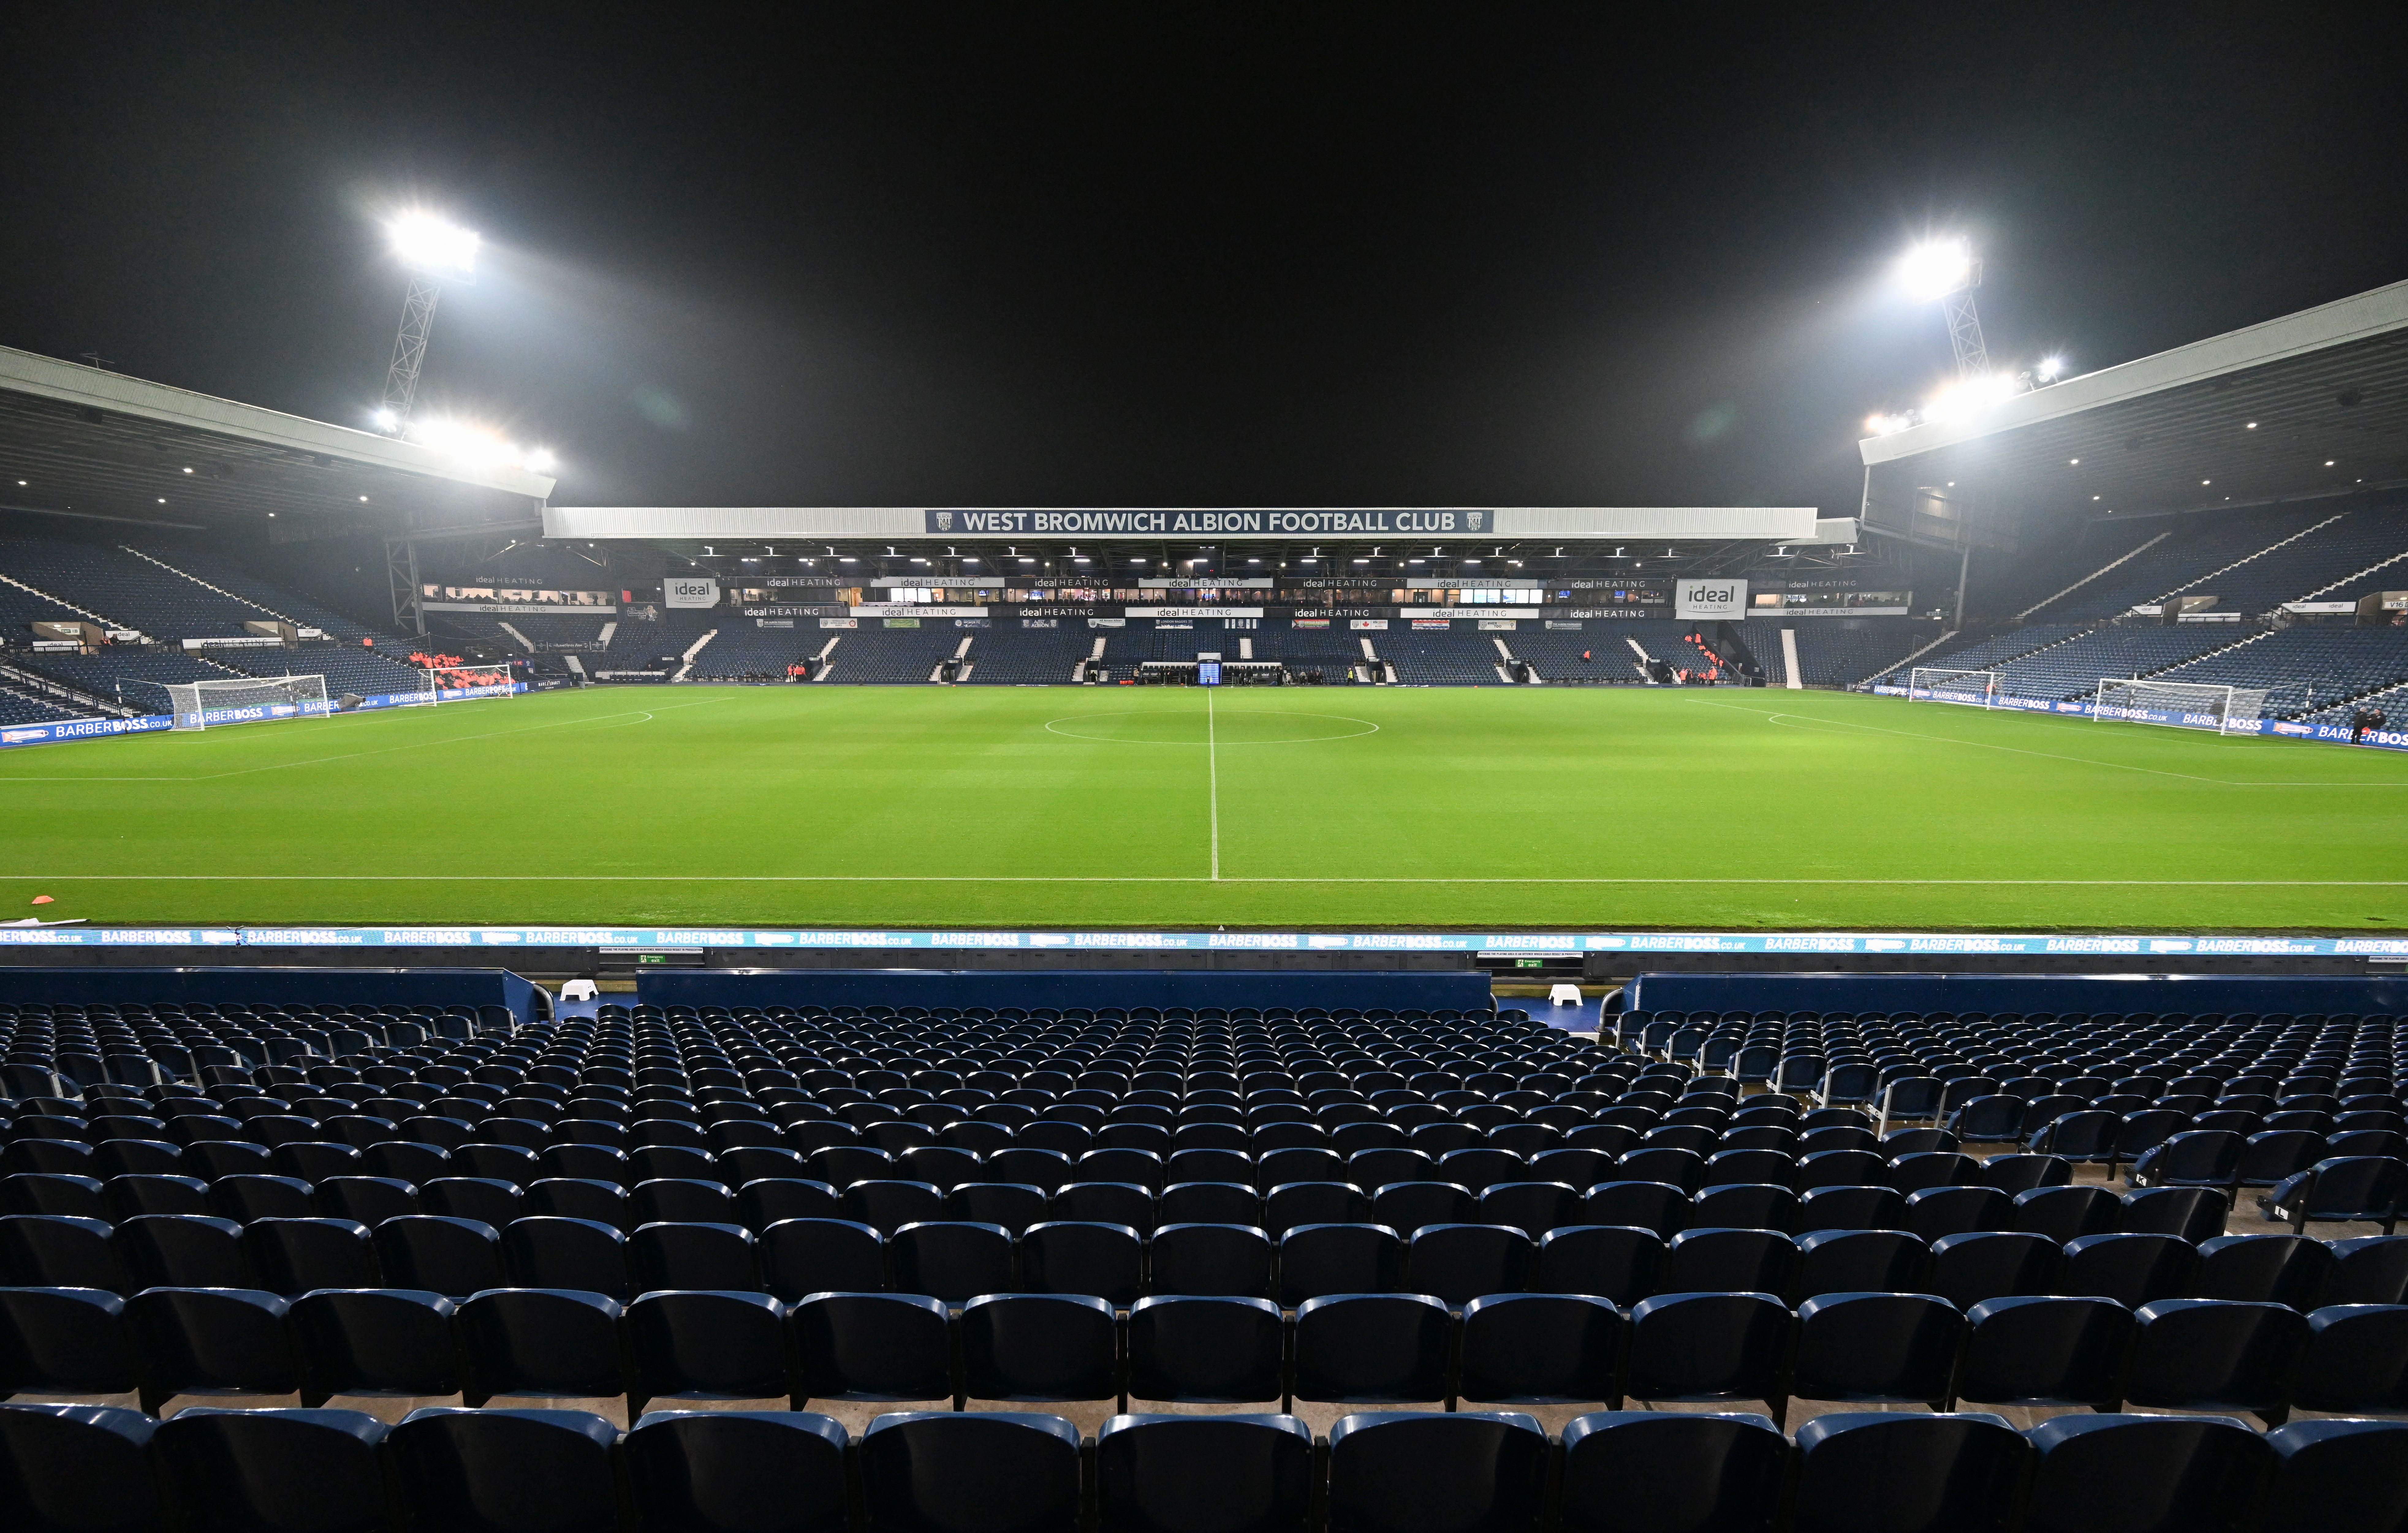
(429, 244)
(436, 250)
(1935, 268)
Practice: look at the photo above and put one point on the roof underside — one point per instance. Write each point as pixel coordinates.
(86, 443)
(2314, 404)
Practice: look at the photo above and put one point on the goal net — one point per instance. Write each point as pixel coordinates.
(458, 683)
(2185, 705)
(1977, 688)
(211, 705)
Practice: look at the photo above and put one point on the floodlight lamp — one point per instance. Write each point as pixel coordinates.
(2050, 370)
(433, 246)
(1936, 268)
(386, 420)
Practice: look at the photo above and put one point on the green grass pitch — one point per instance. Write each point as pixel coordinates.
(1343, 808)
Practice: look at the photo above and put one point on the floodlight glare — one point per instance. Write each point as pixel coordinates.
(1936, 268)
(476, 445)
(1969, 396)
(429, 244)
(2049, 368)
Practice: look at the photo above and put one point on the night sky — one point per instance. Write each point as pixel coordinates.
(1151, 253)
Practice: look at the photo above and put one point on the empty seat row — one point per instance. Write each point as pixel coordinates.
(177, 1348)
(1641, 1238)
(547, 1471)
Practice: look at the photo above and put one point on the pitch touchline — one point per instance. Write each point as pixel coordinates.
(1165, 878)
(386, 750)
(1809, 719)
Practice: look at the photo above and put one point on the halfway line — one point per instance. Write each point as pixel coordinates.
(1212, 766)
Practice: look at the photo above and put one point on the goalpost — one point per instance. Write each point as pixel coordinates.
(1975, 688)
(214, 703)
(459, 684)
(2184, 705)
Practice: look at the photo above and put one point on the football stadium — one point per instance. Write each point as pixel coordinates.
(589, 988)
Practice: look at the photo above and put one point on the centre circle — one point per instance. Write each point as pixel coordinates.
(1150, 726)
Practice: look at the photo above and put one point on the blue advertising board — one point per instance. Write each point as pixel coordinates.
(85, 729)
(2170, 946)
(2385, 739)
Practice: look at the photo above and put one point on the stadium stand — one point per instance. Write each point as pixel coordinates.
(362, 671)
(2254, 565)
(261, 1148)
(195, 562)
(2343, 662)
(1838, 652)
(879, 655)
(1558, 653)
(19, 708)
(132, 590)
(197, 597)
(1010, 655)
(1431, 658)
(398, 1256)
(743, 653)
(2190, 559)
(1333, 651)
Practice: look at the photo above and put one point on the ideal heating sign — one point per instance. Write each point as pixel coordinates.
(1710, 599)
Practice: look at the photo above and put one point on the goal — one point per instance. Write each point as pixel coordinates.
(1975, 688)
(266, 699)
(458, 683)
(2185, 705)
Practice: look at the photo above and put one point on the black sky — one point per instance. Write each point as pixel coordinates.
(1144, 252)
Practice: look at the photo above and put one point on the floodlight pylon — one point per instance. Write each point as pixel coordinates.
(1965, 330)
(409, 352)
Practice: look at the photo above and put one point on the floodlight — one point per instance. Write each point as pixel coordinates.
(1936, 268)
(2049, 368)
(433, 245)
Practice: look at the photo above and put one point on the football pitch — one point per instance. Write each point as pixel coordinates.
(1346, 808)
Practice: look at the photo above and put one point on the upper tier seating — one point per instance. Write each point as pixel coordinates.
(201, 563)
(2297, 665)
(2345, 545)
(130, 591)
(2198, 548)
